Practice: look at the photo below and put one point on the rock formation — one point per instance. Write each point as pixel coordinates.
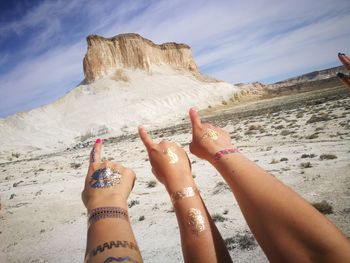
(105, 56)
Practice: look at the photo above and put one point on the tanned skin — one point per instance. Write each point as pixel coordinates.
(286, 226)
(207, 245)
(111, 238)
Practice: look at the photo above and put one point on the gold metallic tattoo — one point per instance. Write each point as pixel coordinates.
(184, 193)
(195, 220)
(210, 134)
(172, 156)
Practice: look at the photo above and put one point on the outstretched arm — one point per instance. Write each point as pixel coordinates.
(200, 239)
(286, 226)
(107, 187)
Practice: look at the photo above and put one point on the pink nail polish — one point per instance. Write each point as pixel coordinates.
(98, 140)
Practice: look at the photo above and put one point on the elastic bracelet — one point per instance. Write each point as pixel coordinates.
(184, 193)
(106, 212)
(221, 153)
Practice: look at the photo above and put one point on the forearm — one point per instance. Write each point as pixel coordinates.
(200, 239)
(280, 219)
(112, 239)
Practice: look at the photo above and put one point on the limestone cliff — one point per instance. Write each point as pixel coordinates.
(106, 56)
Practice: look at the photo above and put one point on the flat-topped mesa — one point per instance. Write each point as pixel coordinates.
(105, 56)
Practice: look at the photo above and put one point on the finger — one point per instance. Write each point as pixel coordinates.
(145, 137)
(195, 119)
(345, 79)
(95, 154)
(345, 60)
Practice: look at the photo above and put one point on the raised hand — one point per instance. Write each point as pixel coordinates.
(170, 163)
(207, 140)
(106, 182)
(345, 60)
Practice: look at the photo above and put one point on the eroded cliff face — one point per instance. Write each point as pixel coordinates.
(106, 56)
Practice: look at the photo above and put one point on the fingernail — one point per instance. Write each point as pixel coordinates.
(98, 140)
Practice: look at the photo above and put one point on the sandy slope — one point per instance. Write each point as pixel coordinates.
(111, 106)
(45, 220)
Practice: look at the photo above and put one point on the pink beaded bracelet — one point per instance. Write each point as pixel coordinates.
(221, 153)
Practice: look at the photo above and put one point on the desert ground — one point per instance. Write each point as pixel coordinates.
(302, 139)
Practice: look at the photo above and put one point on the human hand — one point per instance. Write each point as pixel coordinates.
(107, 183)
(169, 161)
(346, 62)
(207, 139)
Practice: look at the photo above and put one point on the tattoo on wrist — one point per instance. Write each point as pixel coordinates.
(184, 193)
(221, 153)
(106, 212)
(105, 177)
(111, 245)
(196, 220)
(120, 259)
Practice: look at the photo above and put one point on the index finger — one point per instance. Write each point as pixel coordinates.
(95, 154)
(145, 137)
(195, 119)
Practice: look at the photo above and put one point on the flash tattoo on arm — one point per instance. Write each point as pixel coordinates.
(120, 259)
(104, 177)
(111, 245)
(196, 220)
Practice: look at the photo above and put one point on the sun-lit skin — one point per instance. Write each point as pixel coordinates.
(345, 60)
(286, 226)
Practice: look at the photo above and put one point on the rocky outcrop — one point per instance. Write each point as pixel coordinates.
(105, 56)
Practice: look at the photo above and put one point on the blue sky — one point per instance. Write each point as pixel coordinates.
(42, 43)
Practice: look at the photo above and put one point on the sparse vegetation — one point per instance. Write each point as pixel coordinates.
(151, 184)
(15, 155)
(141, 218)
(285, 132)
(254, 127)
(312, 136)
(75, 165)
(328, 156)
(218, 218)
(305, 155)
(283, 159)
(321, 117)
(220, 187)
(132, 203)
(324, 207)
(243, 242)
(306, 165)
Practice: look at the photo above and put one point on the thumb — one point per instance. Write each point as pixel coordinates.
(195, 119)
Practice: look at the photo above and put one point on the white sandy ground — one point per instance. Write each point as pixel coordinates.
(45, 221)
(111, 106)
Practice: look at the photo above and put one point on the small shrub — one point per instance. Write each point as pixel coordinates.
(285, 132)
(279, 127)
(328, 157)
(321, 117)
(220, 187)
(283, 159)
(306, 165)
(225, 212)
(151, 184)
(273, 161)
(324, 207)
(300, 115)
(141, 218)
(16, 155)
(132, 203)
(254, 127)
(244, 242)
(218, 218)
(75, 165)
(312, 136)
(305, 155)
